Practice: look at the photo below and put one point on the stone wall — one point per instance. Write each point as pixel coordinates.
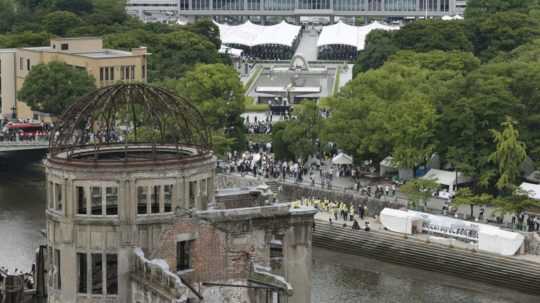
(232, 181)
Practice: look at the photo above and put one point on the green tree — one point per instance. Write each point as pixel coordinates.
(437, 60)
(24, 39)
(301, 134)
(502, 32)
(486, 8)
(78, 7)
(7, 15)
(217, 92)
(419, 191)
(428, 35)
(378, 47)
(59, 22)
(515, 203)
(177, 52)
(509, 155)
(280, 146)
(465, 196)
(53, 87)
(208, 29)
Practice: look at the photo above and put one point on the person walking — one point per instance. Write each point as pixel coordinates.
(361, 211)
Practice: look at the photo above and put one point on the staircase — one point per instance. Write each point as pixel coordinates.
(503, 271)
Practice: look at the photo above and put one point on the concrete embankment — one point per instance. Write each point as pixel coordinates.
(502, 271)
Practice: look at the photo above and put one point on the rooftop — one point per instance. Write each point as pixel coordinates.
(94, 54)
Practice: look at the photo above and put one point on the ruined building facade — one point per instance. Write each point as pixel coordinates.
(139, 222)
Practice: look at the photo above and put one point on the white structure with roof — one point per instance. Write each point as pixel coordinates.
(447, 178)
(342, 159)
(532, 190)
(344, 34)
(250, 34)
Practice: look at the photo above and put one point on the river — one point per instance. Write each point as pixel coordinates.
(336, 277)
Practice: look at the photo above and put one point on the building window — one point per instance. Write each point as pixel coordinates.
(156, 191)
(50, 191)
(82, 278)
(81, 201)
(101, 74)
(183, 255)
(96, 200)
(58, 269)
(64, 46)
(167, 197)
(28, 65)
(133, 72)
(97, 274)
(112, 274)
(21, 63)
(142, 200)
(58, 195)
(106, 74)
(192, 188)
(111, 200)
(143, 72)
(112, 73)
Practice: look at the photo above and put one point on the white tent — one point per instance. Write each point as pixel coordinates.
(446, 178)
(342, 159)
(386, 166)
(532, 190)
(234, 52)
(250, 34)
(400, 221)
(344, 34)
(490, 238)
(448, 18)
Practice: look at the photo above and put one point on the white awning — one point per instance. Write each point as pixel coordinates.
(344, 34)
(342, 159)
(235, 52)
(445, 177)
(448, 18)
(532, 190)
(250, 34)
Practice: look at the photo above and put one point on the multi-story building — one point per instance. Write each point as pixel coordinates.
(107, 66)
(134, 221)
(145, 9)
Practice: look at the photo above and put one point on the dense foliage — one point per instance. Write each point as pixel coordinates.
(53, 87)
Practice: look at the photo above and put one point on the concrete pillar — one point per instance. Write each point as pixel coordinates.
(332, 19)
(452, 7)
(366, 20)
(263, 20)
(297, 261)
(382, 6)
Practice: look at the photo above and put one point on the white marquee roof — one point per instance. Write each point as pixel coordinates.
(250, 34)
(344, 34)
(445, 177)
(533, 190)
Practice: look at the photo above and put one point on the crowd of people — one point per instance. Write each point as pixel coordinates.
(526, 222)
(259, 126)
(338, 211)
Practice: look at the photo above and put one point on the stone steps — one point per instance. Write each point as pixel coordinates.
(502, 271)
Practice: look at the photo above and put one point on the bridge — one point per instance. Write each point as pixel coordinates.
(11, 146)
(296, 8)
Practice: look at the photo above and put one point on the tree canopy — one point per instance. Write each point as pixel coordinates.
(55, 86)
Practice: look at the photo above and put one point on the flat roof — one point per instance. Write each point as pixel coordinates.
(7, 50)
(76, 38)
(94, 54)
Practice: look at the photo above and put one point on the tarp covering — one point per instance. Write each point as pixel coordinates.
(250, 34)
(399, 221)
(533, 190)
(445, 177)
(342, 159)
(344, 34)
(489, 238)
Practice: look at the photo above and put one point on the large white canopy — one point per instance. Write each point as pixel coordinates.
(342, 159)
(250, 34)
(445, 177)
(344, 34)
(532, 190)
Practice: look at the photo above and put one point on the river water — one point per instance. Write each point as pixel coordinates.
(336, 277)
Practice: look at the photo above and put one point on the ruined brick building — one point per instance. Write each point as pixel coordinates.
(133, 216)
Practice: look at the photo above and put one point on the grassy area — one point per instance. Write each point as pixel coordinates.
(259, 138)
(251, 106)
(336, 81)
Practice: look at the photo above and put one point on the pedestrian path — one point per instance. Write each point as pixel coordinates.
(308, 45)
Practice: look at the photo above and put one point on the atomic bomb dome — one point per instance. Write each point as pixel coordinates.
(132, 123)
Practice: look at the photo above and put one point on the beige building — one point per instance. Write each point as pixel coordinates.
(107, 66)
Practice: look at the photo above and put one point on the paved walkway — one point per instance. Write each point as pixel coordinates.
(308, 45)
